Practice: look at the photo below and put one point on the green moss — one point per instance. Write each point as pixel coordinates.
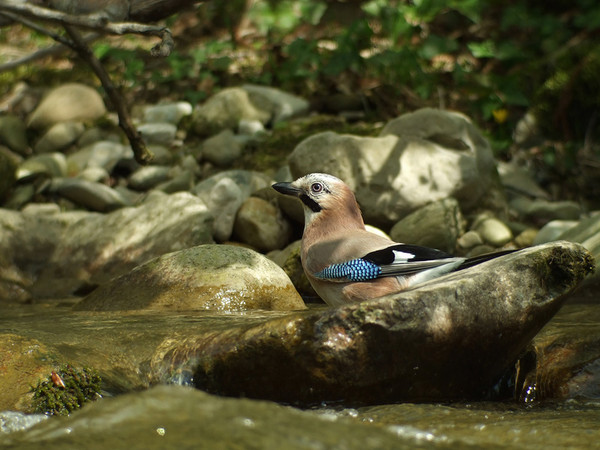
(271, 152)
(80, 386)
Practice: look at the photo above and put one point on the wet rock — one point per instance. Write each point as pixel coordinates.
(225, 110)
(24, 361)
(59, 137)
(158, 133)
(13, 134)
(438, 154)
(71, 250)
(222, 149)
(224, 193)
(208, 277)
(259, 224)
(564, 360)
(105, 154)
(437, 225)
(146, 178)
(53, 165)
(281, 105)
(88, 194)
(69, 102)
(448, 339)
(167, 112)
(493, 231)
(182, 417)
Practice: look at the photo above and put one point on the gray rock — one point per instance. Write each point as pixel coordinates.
(518, 180)
(59, 136)
(208, 277)
(225, 110)
(13, 134)
(222, 149)
(437, 225)
(88, 194)
(224, 193)
(553, 230)
(527, 132)
(260, 224)
(420, 158)
(182, 181)
(488, 313)
(96, 134)
(282, 105)
(587, 233)
(469, 240)
(8, 169)
(167, 112)
(289, 260)
(543, 211)
(162, 155)
(493, 231)
(69, 102)
(250, 127)
(146, 178)
(95, 174)
(158, 133)
(50, 164)
(105, 154)
(69, 251)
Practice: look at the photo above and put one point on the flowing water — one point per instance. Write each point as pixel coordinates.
(182, 417)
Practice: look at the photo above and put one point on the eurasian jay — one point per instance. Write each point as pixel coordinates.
(346, 263)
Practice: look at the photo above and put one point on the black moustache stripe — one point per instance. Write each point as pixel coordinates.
(314, 206)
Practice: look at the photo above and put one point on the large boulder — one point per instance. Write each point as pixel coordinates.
(452, 338)
(419, 158)
(208, 277)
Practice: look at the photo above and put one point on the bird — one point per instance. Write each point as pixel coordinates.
(346, 263)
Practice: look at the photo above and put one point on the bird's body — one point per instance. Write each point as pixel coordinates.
(346, 263)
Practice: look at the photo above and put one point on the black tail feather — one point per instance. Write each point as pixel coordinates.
(473, 261)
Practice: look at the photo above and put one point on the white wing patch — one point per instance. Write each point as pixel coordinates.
(402, 257)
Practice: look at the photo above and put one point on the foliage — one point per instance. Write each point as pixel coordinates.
(66, 390)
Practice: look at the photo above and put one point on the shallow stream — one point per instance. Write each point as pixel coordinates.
(182, 417)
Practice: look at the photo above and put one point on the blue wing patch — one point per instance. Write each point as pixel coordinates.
(353, 270)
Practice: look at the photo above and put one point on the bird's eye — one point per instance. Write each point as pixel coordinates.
(316, 187)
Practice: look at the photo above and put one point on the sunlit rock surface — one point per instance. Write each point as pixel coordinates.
(208, 277)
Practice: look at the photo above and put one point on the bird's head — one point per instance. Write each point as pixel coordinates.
(322, 195)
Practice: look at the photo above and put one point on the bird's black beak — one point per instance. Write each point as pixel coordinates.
(287, 189)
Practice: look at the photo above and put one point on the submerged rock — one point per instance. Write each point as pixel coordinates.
(181, 417)
(451, 338)
(209, 277)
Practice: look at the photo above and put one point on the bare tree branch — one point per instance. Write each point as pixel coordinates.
(42, 53)
(141, 152)
(97, 22)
